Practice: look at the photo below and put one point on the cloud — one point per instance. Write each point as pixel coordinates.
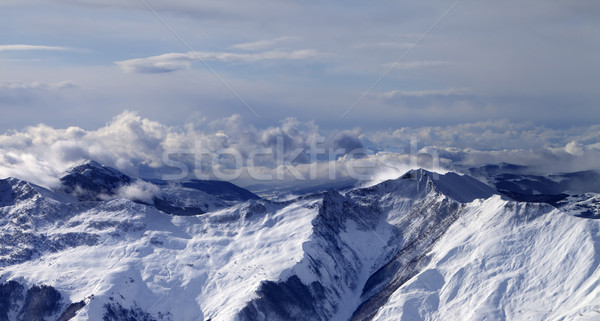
(575, 148)
(177, 61)
(33, 47)
(491, 142)
(259, 44)
(126, 143)
(38, 85)
(139, 191)
(283, 153)
(383, 44)
(417, 64)
(137, 146)
(157, 64)
(27, 166)
(421, 93)
(489, 135)
(448, 101)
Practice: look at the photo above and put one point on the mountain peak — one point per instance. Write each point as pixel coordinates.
(92, 181)
(460, 187)
(92, 167)
(89, 162)
(88, 180)
(418, 173)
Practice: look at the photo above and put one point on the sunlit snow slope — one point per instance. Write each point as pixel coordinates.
(503, 260)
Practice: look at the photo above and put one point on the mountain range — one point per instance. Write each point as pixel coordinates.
(425, 246)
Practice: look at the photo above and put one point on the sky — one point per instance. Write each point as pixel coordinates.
(494, 77)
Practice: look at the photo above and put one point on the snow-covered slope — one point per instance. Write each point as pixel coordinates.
(584, 205)
(425, 246)
(504, 260)
(125, 258)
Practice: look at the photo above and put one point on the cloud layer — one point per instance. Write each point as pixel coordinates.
(176, 61)
(32, 47)
(291, 151)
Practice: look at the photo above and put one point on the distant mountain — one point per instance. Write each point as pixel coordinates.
(91, 181)
(293, 189)
(519, 179)
(585, 205)
(425, 246)
(571, 183)
(557, 189)
(490, 170)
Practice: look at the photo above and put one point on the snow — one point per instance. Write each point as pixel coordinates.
(506, 261)
(192, 198)
(476, 255)
(584, 205)
(370, 246)
(462, 188)
(205, 265)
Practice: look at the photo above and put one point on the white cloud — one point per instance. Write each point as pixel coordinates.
(126, 143)
(491, 142)
(32, 47)
(575, 148)
(130, 143)
(25, 165)
(489, 135)
(137, 145)
(177, 61)
(139, 191)
(157, 64)
(38, 85)
(259, 44)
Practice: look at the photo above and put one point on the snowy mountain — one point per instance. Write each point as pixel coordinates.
(516, 182)
(91, 181)
(425, 246)
(576, 192)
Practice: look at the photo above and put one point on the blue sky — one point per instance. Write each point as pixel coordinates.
(534, 61)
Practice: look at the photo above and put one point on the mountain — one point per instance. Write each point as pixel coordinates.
(526, 184)
(585, 205)
(568, 191)
(425, 246)
(517, 181)
(291, 190)
(91, 181)
(490, 170)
